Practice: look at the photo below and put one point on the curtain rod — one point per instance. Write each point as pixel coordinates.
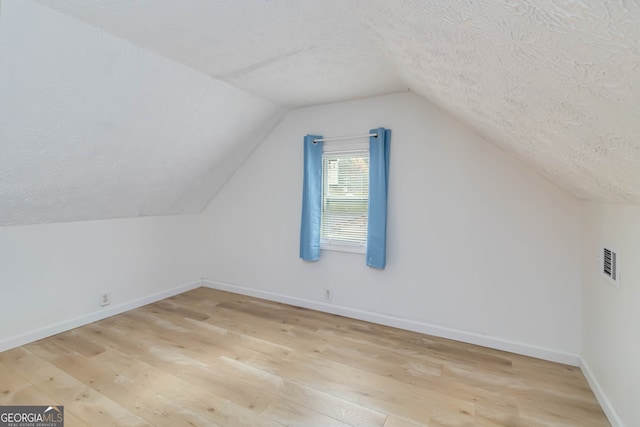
(342, 138)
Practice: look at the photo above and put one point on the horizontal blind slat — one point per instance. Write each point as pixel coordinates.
(345, 196)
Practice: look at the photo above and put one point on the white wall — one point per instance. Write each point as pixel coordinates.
(611, 316)
(480, 248)
(51, 275)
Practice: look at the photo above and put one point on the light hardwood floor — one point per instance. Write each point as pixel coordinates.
(207, 358)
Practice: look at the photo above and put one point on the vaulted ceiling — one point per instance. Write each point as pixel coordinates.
(145, 107)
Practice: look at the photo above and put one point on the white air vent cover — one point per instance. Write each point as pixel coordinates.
(610, 265)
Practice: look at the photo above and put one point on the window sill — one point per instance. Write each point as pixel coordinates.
(357, 249)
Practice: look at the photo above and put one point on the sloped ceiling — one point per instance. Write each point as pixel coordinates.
(556, 82)
(292, 52)
(152, 104)
(92, 127)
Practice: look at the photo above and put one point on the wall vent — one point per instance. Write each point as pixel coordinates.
(610, 265)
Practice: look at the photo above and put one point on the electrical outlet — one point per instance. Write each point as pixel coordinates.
(328, 295)
(105, 299)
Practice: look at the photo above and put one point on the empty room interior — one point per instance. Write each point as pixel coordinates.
(367, 213)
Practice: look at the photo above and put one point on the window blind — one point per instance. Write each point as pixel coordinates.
(345, 197)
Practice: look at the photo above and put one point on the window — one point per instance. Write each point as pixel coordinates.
(344, 201)
(345, 198)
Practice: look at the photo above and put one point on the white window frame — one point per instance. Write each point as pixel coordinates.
(343, 147)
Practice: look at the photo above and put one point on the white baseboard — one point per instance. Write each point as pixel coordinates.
(93, 317)
(604, 401)
(411, 325)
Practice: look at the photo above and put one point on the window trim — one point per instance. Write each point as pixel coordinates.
(344, 147)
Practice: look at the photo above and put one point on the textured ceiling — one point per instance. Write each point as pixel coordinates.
(92, 127)
(555, 82)
(143, 107)
(292, 52)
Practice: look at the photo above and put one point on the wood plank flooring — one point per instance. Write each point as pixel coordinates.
(212, 358)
